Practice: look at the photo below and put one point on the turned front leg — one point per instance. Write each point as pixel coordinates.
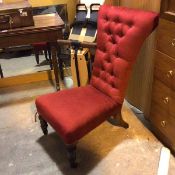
(43, 125)
(71, 150)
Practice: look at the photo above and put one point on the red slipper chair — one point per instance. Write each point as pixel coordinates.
(75, 112)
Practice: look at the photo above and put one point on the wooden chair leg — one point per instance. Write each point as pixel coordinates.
(60, 62)
(49, 53)
(37, 56)
(50, 58)
(117, 120)
(45, 53)
(44, 125)
(1, 73)
(71, 150)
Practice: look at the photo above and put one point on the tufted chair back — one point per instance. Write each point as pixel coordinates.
(121, 32)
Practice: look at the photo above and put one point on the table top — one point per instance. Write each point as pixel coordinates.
(41, 23)
(13, 6)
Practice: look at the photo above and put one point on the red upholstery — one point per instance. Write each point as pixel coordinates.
(40, 46)
(71, 111)
(75, 112)
(121, 32)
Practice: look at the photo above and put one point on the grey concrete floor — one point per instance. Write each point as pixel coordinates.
(107, 150)
(16, 64)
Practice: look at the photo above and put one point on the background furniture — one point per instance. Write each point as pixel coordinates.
(39, 47)
(16, 15)
(70, 5)
(48, 28)
(162, 114)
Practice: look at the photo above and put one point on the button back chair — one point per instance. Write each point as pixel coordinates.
(75, 112)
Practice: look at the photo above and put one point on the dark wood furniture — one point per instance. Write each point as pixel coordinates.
(15, 15)
(39, 47)
(47, 28)
(162, 115)
(1, 73)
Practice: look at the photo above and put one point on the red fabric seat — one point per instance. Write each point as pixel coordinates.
(40, 45)
(75, 112)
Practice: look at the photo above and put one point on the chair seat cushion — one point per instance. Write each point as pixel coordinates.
(40, 46)
(75, 112)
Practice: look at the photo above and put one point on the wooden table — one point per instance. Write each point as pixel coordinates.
(47, 28)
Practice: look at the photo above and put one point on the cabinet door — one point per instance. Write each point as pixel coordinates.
(164, 69)
(166, 37)
(163, 124)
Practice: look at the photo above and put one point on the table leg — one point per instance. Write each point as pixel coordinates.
(1, 73)
(55, 63)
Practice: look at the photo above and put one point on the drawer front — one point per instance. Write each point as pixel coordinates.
(164, 97)
(164, 123)
(164, 69)
(166, 37)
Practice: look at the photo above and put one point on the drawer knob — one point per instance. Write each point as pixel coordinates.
(173, 43)
(169, 74)
(163, 123)
(166, 100)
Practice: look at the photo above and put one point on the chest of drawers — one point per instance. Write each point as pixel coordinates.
(162, 115)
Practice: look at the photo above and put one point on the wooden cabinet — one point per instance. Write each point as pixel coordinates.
(140, 84)
(162, 115)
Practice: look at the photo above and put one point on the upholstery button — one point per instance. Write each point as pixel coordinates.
(113, 85)
(106, 18)
(109, 32)
(116, 54)
(112, 40)
(121, 33)
(116, 20)
(108, 60)
(103, 49)
(130, 23)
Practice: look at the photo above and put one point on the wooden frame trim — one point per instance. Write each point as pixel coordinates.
(28, 78)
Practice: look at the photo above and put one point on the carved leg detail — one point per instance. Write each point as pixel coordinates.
(44, 125)
(118, 121)
(71, 150)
